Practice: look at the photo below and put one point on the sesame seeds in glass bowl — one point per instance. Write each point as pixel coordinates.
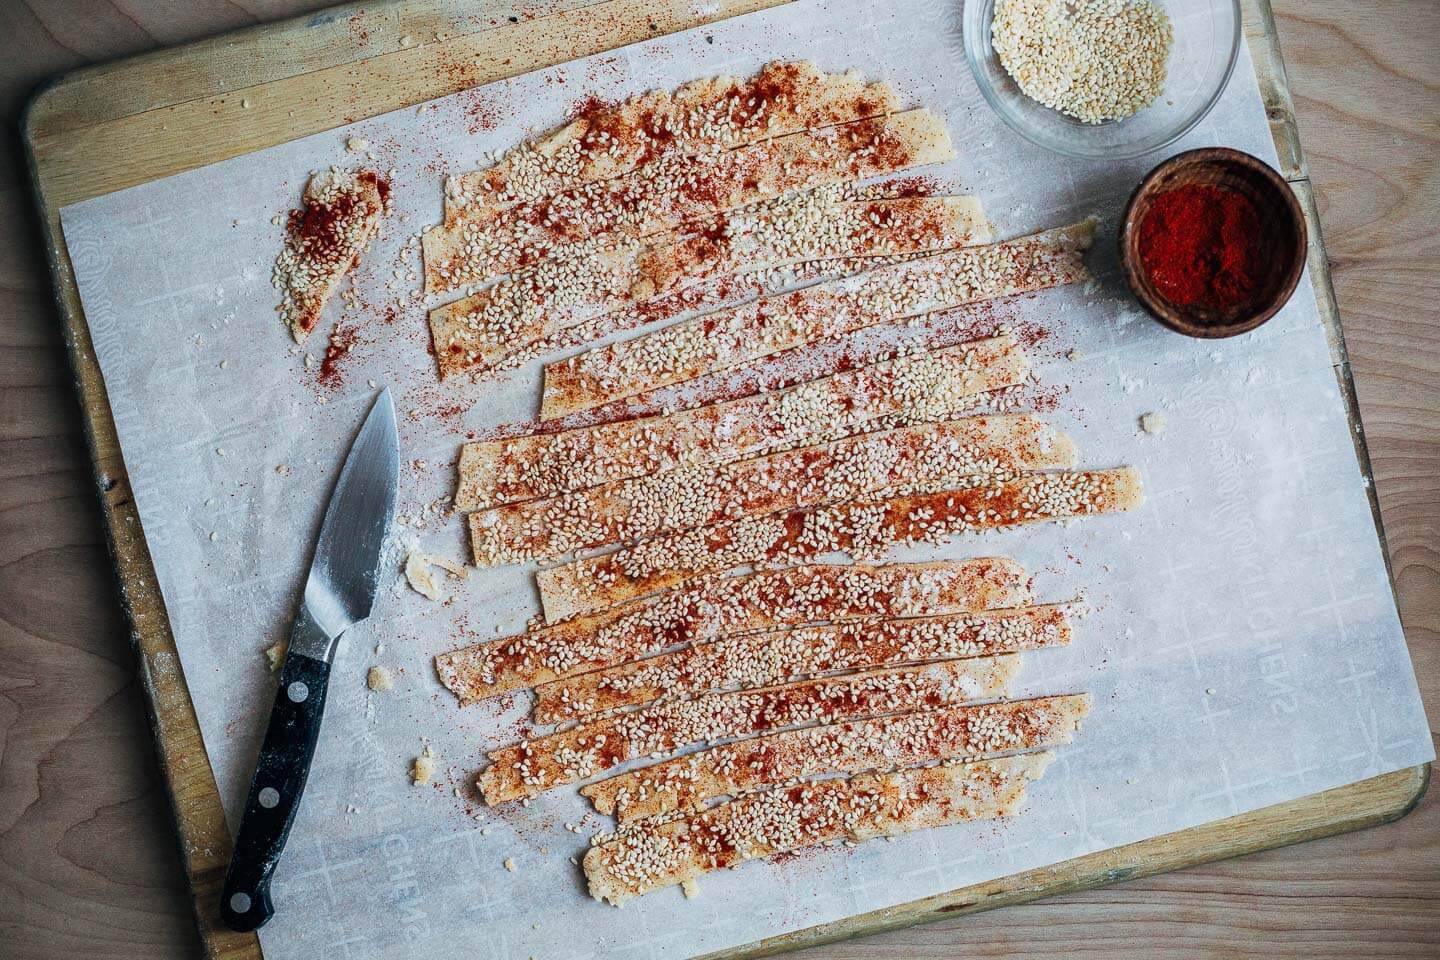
(1205, 45)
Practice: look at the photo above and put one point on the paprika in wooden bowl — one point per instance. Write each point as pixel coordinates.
(1213, 242)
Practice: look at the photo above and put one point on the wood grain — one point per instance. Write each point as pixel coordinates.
(87, 862)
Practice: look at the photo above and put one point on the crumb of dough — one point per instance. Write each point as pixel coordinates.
(357, 144)
(275, 653)
(423, 767)
(509, 864)
(1074, 355)
(1152, 422)
(690, 888)
(379, 679)
(283, 469)
(456, 569)
(423, 579)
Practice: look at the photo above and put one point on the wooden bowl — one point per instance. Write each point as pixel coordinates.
(1283, 238)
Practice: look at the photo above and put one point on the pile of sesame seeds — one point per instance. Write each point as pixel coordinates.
(1095, 60)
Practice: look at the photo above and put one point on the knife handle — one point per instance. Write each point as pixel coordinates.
(275, 791)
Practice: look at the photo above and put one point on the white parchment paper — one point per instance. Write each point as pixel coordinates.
(1243, 647)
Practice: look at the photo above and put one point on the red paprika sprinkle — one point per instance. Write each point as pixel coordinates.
(1200, 246)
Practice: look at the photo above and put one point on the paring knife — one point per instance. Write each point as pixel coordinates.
(338, 594)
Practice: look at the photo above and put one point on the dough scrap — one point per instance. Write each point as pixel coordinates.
(339, 216)
(904, 740)
(642, 507)
(804, 815)
(915, 388)
(865, 529)
(534, 766)
(423, 580)
(422, 768)
(772, 325)
(779, 656)
(722, 607)
(586, 281)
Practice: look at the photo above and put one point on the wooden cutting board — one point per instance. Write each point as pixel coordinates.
(126, 123)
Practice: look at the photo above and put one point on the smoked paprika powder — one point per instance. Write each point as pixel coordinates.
(1201, 245)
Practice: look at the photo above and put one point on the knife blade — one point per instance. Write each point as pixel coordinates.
(339, 593)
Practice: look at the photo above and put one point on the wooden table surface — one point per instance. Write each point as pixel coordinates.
(87, 860)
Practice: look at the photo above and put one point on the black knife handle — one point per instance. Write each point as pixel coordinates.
(275, 791)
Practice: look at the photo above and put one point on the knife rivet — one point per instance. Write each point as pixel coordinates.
(240, 902)
(297, 691)
(269, 796)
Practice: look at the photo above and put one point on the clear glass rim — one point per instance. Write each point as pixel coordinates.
(976, 52)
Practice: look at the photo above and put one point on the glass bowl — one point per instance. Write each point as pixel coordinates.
(1202, 57)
